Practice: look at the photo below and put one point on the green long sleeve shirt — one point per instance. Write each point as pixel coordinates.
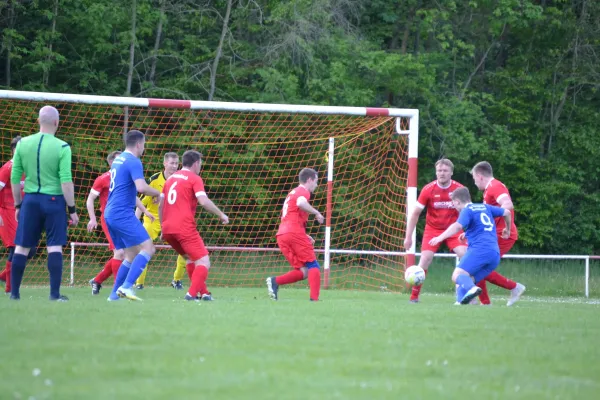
(46, 162)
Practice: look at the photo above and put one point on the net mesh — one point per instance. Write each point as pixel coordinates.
(251, 162)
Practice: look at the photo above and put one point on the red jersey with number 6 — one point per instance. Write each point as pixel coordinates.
(180, 201)
(440, 210)
(293, 218)
(100, 189)
(495, 191)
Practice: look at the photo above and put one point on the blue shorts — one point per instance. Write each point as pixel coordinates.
(126, 231)
(479, 264)
(42, 212)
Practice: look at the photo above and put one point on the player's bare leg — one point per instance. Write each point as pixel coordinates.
(424, 262)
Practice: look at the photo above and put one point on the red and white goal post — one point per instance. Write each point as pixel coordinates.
(252, 156)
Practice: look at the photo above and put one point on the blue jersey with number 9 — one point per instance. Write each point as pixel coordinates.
(125, 170)
(478, 223)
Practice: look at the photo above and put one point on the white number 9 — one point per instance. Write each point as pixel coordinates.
(172, 195)
(487, 222)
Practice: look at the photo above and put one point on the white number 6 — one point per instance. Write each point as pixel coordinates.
(172, 195)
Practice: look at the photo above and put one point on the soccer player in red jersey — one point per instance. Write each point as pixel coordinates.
(177, 208)
(435, 196)
(8, 223)
(100, 189)
(495, 193)
(294, 243)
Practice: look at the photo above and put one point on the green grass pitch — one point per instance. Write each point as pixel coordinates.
(351, 345)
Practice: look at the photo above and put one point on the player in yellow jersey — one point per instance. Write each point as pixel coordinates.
(157, 181)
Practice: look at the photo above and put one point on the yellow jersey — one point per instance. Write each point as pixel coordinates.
(156, 181)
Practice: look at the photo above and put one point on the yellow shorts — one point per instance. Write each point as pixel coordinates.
(153, 230)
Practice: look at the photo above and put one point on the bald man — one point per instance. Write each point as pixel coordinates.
(46, 162)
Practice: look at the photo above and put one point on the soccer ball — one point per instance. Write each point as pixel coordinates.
(414, 275)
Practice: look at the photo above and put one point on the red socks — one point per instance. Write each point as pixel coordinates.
(199, 281)
(105, 273)
(502, 281)
(293, 276)
(314, 282)
(114, 265)
(484, 296)
(7, 277)
(416, 290)
(190, 270)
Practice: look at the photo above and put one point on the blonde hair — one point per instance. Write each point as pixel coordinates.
(446, 162)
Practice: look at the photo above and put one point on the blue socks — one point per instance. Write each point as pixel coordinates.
(120, 278)
(55, 268)
(465, 283)
(137, 267)
(16, 274)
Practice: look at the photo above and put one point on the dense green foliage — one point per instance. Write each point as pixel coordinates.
(512, 82)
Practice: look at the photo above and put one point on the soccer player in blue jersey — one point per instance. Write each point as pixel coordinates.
(483, 255)
(126, 231)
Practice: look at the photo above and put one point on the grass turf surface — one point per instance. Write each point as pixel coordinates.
(351, 345)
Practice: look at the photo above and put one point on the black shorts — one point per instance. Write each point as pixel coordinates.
(42, 212)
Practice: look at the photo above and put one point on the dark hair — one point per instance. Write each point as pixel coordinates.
(306, 174)
(190, 157)
(133, 137)
(483, 168)
(112, 155)
(461, 194)
(13, 143)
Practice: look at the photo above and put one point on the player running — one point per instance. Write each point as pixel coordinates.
(126, 231)
(483, 255)
(182, 192)
(152, 224)
(294, 243)
(435, 196)
(100, 189)
(495, 193)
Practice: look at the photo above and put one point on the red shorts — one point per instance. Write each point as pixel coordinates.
(296, 248)
(452, 242)
(189, 245)
(505, 245)
(9, 229)
(111, 245)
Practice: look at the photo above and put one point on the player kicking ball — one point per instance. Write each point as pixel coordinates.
(483, 254)
(177, 208)
(294, 243)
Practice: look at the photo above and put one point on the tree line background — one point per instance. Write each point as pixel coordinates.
(513, 82)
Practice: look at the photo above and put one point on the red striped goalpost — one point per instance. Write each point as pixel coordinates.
(252, 156)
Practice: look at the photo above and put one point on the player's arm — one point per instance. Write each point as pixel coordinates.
(161, 203)
(89, 204)
(507, 215)
(142, 187)
(141, 207)
(304, 205)
(209, 206)
(451, 231)
(15, 176)
(412, 224)
(505, 201)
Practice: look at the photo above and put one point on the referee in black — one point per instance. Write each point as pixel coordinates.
(49, 192)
